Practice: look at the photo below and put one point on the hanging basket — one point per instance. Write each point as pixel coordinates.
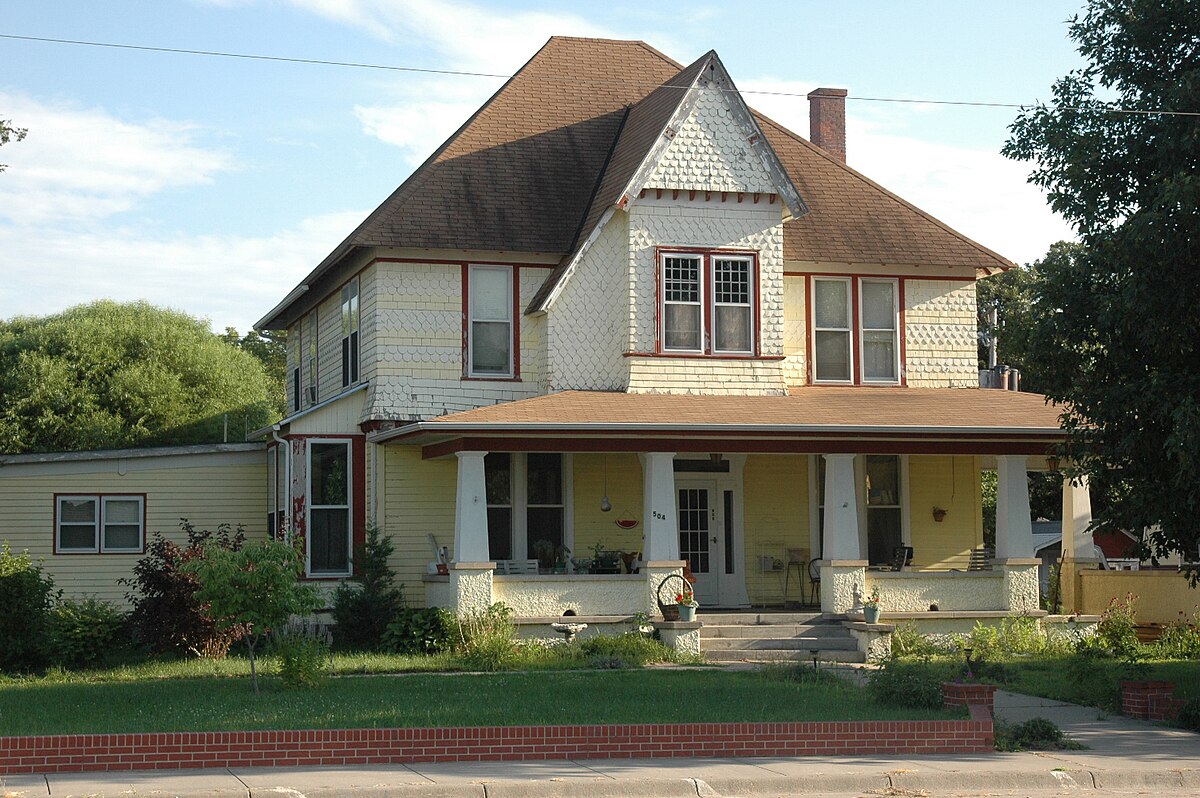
(670, 609)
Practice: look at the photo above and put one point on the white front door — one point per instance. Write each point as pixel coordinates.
(701, 525)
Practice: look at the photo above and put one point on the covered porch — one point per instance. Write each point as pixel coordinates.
(826, 483)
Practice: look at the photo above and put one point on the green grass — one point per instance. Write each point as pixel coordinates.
(218, 703)
(1096, 682)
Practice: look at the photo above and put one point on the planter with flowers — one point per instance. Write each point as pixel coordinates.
(676, 599)
(871, 606)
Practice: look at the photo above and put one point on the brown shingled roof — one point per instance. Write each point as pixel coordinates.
(520, 175)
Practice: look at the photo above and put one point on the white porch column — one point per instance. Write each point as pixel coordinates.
(1014, 530)
(1077, 517)
(470, 510)
(840, 532)
(661, 537)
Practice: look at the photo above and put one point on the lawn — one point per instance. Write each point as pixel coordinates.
(64, 705)
(1094, 682)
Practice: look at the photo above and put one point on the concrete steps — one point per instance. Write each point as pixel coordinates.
(775, 637)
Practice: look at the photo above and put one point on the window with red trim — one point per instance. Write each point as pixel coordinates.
(709, 303)
(856, 330)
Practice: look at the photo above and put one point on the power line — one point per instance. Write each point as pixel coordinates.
(464, 73)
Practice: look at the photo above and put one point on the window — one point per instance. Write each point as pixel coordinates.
(350, 333)
(97, 523)
(856, 330)
(329, 508)
(880, 347)
(708, 303)
(490, 335)
(526, 498)
(884, 512)
(310, 357)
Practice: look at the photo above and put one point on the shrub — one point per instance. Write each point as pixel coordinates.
(908, 642)
(82, 632)
(1178, 641)
(908, 684)
(167, 617)
(1035, 734)
(1189, 715)
(632, 648)
(26, 596)
(303, 660)
(487, 640)
(367, 603)
(1117, 629)
(418, 630)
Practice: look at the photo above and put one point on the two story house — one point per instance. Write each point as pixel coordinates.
(620, 311)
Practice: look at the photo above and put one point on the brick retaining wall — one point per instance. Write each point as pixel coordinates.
(1150, 700)
(349, 747)
(963, 694)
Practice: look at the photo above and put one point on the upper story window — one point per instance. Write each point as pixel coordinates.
(350, 333)
(99, 524)
(310, 359)
(708, 303)
(297, 400)
(855, 330)
(490, 338)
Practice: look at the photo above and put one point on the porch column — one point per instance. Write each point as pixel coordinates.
(661, 541)
(843, 569)
(1014, 535)
(470, 510)
(1078, 546)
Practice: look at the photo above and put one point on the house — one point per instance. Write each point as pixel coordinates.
(88, 516)
(620, 311)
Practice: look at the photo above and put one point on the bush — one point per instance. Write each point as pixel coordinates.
(303, 660)
(26, 596)
(487, 641)
(1035, 734)
(1117, 630)
(632, 648)
(908, 642)
(167, 617)
(1189, 715)
(365, 605)
(1178, 641)
(909, 684)
(82, 632)
(417, 630)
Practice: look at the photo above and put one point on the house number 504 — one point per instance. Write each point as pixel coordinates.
(658, 515)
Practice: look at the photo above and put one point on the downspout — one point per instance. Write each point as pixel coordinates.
(287, 471)
(374, 483)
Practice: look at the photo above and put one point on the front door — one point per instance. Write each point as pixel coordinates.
(701, 519)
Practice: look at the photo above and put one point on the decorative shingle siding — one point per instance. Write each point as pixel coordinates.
(744, 226)
(589, 324)
(710, 152)
(418, 348)
(795, 340)
(940, 324)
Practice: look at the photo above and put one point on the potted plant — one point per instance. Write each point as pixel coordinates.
(871, 606)
(686, 600)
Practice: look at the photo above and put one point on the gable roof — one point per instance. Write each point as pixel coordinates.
(531, 170)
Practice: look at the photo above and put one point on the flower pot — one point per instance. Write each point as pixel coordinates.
(871, 614)
(687, 612)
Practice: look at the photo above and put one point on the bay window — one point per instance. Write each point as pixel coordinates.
(708, 303)
(99, 524)
(490, 327)
(329, 518)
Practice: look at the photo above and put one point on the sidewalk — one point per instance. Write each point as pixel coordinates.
(1123, 755)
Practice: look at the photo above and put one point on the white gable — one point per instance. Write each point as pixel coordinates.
(710, 152)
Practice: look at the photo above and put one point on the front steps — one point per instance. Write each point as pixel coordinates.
(775, 637)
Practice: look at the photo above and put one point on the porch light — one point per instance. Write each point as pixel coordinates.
(1052, 462)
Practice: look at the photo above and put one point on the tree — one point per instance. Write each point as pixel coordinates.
(253, 589)
(9, 134)
(109, 375)
(364, 605)
(270, 347)
(1116, 332)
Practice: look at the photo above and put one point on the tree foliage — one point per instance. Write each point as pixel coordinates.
(110, 375)
(9, 134)
(364, 605)
(27, 595)
(270, 348)
(1115, 335)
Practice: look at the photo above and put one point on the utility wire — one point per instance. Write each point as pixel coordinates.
(463, 73)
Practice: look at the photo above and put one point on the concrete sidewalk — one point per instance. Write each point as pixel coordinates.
(1123, 756)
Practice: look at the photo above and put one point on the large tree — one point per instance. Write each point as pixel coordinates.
(1116, 332)
(9, 134)
(110, 375)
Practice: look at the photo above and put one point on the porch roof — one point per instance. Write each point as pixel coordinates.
(810, 419)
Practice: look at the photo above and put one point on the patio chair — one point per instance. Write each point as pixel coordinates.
(901, 556)
(814, 579)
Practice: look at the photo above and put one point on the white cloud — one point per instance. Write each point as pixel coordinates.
(85, 164)
(232, 280)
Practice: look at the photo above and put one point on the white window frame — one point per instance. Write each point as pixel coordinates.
(310, 506)
(518, 486)
(309, 358)
(817, 499)
(701, 302)
(509, 373)
(351, 331)
(862, 329)
(750, 305)
(849, 329)
(99, 523)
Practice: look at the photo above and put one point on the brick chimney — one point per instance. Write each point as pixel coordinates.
(827, 121)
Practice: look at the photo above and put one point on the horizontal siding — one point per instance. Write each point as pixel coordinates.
(417, 500)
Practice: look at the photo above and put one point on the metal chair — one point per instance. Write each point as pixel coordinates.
(814, 579)
(901, 556)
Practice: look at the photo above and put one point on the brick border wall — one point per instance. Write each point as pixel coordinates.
(964, 694)
(1150, 700)
(349, 747)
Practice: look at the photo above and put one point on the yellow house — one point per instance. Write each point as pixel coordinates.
(619, 312)
(87, 516)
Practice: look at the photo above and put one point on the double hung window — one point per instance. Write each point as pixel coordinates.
(526, 498)
(708, 303)
(99, 524)
(310, 358)
(350, 333)
(490, 335)
(855, 330)
(329, 527)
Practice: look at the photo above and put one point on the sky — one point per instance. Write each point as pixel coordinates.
(213, 185)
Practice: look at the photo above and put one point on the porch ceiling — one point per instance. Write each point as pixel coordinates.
(808, 420)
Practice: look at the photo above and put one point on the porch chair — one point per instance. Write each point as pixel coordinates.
(901, 556)
(814, 579)
(981, 559)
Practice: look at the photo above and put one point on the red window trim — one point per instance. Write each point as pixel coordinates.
(467, 376)
(706, 310)
(855, 329)
(100, 496)
(358, 498)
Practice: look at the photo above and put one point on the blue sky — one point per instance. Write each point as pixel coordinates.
(213, 185)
